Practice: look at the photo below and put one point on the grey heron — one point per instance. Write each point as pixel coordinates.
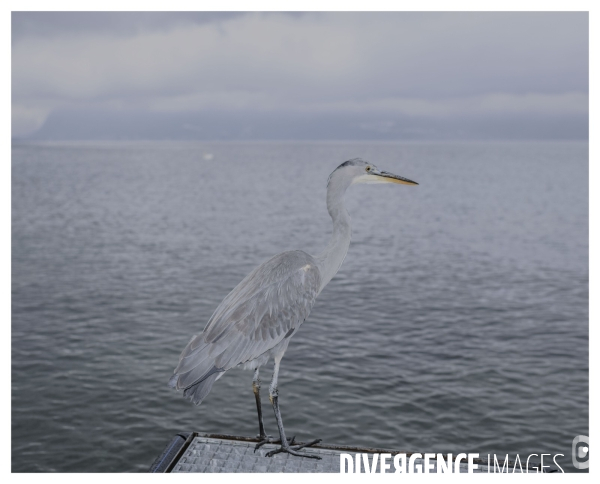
(258, 318)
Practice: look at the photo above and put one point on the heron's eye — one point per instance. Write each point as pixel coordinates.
(368, 168)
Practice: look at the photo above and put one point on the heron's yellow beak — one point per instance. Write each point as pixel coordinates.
(386, 177)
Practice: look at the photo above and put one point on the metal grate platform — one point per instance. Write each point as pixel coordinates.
(215, 455)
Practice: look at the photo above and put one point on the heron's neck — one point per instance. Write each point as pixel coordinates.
(330, 260)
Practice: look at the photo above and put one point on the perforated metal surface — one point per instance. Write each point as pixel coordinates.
(216, 455)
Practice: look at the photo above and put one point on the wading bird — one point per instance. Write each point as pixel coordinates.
(259, 317)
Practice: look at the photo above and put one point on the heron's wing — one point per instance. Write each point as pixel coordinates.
(263, 309)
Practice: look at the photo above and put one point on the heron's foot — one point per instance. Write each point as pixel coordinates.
(267, 439)
(293, 450)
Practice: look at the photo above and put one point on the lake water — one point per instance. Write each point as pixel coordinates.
(458, 322)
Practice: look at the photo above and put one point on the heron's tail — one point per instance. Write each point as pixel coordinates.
(198, 390)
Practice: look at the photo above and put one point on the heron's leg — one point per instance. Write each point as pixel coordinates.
(285, 445)
(264, 438)
(256, 390)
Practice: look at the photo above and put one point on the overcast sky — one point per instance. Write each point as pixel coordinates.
(305, 75)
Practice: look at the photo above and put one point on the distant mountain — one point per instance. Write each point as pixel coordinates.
(223, 125)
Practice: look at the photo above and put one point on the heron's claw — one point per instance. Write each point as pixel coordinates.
(267, 439)
(293, 450)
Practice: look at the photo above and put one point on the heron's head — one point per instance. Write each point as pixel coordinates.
(360, 171)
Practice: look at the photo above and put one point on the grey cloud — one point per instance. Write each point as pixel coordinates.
(55, 24)
(380, 66)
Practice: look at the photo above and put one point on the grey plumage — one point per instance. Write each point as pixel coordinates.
(274, 299)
